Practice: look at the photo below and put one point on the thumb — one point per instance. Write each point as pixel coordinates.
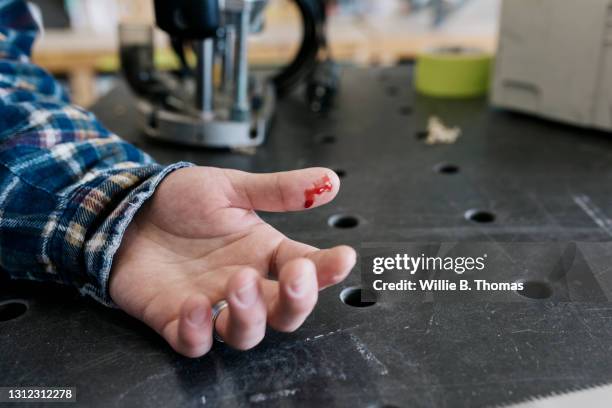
(285, 191)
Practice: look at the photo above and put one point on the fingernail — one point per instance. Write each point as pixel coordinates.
(299, 286)
(247, 295)
(197, 315)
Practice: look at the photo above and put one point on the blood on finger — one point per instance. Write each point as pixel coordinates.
(320, 187)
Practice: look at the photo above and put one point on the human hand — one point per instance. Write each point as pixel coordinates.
(198, 240)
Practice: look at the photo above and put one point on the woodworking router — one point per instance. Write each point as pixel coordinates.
(189, 106)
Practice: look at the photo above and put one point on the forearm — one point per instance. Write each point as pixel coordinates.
(68, 186)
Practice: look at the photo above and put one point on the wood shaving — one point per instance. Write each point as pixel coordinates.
(438, 133)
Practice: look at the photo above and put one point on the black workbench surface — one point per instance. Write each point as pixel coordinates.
(542, 182)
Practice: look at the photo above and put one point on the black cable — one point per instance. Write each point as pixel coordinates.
(312, 13)
(178, 47)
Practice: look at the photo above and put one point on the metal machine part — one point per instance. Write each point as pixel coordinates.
(596, 397)
(229, 120)
(212, 129)
(192, 108)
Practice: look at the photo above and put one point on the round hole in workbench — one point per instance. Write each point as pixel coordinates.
(422, 134)
(405, 110)
(152, 121)
(392, 90)
(352, 297)
(446, 168)
(340, 172)
(535, 290)
(343, 221)
(327, 139)
(12, 309)
(480, 216)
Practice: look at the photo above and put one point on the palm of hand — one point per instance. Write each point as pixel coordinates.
(198, 240)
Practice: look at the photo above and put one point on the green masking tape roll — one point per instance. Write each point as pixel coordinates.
(453, 72)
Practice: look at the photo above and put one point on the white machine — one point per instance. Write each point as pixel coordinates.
(555, 60)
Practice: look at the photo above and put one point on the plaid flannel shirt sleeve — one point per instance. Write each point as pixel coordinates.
(68, 186)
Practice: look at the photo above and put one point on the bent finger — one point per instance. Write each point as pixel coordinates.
(296, 295)
(332, 265)
(195, 327)
(242, 324)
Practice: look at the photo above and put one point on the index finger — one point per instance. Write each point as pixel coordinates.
(284, 191)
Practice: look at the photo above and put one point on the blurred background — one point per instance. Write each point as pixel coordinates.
(80, 42)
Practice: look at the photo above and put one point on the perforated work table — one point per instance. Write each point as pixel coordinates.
(541, 181)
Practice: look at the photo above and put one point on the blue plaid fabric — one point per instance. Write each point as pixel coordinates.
(68, 186)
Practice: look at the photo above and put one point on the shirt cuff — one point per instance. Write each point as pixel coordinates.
(102, 247)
